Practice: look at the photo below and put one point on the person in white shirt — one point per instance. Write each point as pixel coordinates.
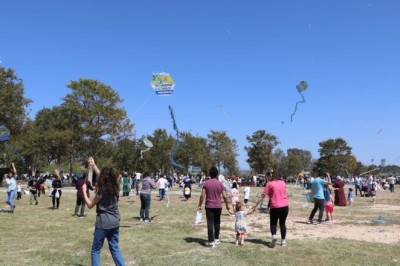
(246, 192)
(391, 180)
(162, 183)
(137, 181)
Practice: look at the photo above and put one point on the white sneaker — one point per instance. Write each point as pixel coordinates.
(217, 242)
(147, 221)
(211, 244)
(283, 243)
(141, 219)
(273, 241)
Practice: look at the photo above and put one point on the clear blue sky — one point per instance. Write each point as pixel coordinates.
(235, 63)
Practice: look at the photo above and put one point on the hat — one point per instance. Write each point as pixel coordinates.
(338, 177)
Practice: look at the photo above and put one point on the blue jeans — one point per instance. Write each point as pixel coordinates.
(161, 191)
(10, 198)
(145, 200)
(112, 236)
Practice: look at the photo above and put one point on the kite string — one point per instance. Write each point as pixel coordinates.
(15, 151)
(143, 104)
(295, 108)
(177, 142)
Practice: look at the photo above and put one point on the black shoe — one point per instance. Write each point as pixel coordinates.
(36, 203)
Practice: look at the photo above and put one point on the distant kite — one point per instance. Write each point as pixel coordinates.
(5, 136)
(148, 144)
(301, 87)
(162, 83)
(4, 133)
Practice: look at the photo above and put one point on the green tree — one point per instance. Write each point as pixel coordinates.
(335, 157)
(223, 151)
(193, 151)
(98, 113)
(13, 106)
(298, 160)
(157, 158)
(260, 151)
(124, 152)
(13, 103)
(280, 162)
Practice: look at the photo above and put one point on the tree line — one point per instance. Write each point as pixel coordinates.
(91, 121)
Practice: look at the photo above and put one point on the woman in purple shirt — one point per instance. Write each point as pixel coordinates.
(211, 192)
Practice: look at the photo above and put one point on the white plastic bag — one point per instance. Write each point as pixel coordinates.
(199, 217)
(57, 195)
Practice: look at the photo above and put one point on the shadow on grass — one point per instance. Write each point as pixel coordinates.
(258, 241)
(199, 241)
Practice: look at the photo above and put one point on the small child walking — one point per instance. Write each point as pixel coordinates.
(240, 223)
(350, 197)
(19, 191)
(329, 206)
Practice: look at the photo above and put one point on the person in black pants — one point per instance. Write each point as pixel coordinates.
(56, 193)
(211, 193)
(317, 188)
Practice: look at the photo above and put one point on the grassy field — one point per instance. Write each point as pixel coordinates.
(38, 235)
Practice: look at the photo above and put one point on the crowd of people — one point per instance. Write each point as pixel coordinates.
(215, 190)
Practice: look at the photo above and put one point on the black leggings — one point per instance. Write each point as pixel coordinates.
(213, 223)
(318, 204)
(280, 214)
(54, 199)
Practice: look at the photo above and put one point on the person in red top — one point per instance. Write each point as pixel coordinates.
(80, 200)
(279, 207)
(211, 192)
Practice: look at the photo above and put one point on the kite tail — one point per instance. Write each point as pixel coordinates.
(295, 108)
(15, 151)
(143, 151)
(177, 142)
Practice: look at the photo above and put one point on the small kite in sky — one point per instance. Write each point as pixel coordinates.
(301, 87)
(162, 83)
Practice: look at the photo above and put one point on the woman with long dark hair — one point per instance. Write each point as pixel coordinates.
(108, 217)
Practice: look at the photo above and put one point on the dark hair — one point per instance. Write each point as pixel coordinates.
(107, 182)
(234, 185)
(238, 206)
(350, 189)
(213, 172)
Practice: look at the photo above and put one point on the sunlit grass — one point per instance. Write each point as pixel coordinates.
(37, 235)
